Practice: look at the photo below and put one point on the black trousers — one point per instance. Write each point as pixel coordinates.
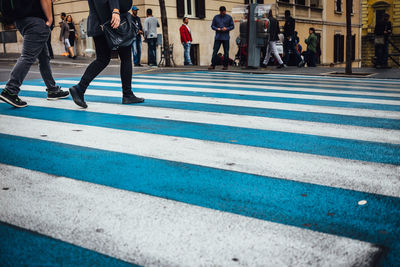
(103, 57)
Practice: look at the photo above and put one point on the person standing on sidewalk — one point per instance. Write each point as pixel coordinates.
(311, 41)
(64, 36)
(383, 29)
(186, 39)
(274, 32)
(101, 11)
(222, 24)
(289, 43)
(150, 35)
(72, 32)
(33, 22)
(137, 43)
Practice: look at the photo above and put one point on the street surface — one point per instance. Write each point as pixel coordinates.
(213, 169)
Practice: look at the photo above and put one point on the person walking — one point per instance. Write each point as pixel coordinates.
(101, 11)
(72, 32)
(273, 38)
(33, 22)
(383, 29)
(289, 43)
(311, 41)
(186, 39)
(137, 43)
(222, 24)
(64, 35)
(150, 34)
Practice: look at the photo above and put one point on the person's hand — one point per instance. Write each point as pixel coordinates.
(219, 29)
(49, 22)
(115, 20)
(224, 29)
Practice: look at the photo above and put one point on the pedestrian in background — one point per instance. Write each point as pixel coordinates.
(273, 38)
(33, 22)
(137, 43)
(64, 35)
(72, 32)
(222, 24)
(186, 39)
(311, 41)
(383, 29)
(101, 11)
(150, 34)
(289, 43)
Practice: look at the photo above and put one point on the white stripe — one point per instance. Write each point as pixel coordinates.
(152, 231)
(328, 171)
(302, 77)
(277, 85)
(295, 96)
(242, 103)
(252, 122)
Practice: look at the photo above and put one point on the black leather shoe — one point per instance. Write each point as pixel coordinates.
(132, 100)
(77, 96)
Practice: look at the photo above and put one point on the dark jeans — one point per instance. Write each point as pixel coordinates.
(217, 45)
(310, 58)
(151, 51)
(35, 33)
(382, 53)
(289, 47)
(103, 57)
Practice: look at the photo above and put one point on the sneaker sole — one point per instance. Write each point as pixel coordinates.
(56, 98)
(11, 103)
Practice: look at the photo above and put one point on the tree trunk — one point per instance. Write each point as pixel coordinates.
(164, 23)
(348, 37)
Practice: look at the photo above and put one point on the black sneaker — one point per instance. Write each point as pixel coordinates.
(281, 66)
(77, 96)
(13, 100)
(56, 94)
(132, 100)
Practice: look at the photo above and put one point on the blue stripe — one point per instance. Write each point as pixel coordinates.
(311, 144)
(19, 247)
(259, 112)
(320, 208)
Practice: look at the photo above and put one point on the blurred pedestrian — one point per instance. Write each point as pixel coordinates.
(289, 43)
(34, 25)
(186, 39)
(150, 34)
(222, 24)
(137, 43)
(101, 11)
(273, 38)
(311, 41)
(64, 35)
(383, 29)
(72, 32)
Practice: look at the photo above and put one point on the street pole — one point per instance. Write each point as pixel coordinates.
(349, 4)
(164, 23)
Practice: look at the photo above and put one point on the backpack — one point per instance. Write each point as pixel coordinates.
(9, 10)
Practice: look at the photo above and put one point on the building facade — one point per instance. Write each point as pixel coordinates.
(326, 16)
(373, 11)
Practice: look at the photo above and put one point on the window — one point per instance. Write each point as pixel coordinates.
(300, 2)
(253, 2)
(338, 6)
(191, 8)
(314, 3)
(338, 48)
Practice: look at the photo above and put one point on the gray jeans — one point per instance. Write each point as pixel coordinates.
(35, 33)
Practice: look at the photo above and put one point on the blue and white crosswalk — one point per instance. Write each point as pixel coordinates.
(213, 169)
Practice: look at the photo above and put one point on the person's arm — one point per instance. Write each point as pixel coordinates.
(115, 18)
(146, 28)
(231, 25)
(46, 7)
(214, 24)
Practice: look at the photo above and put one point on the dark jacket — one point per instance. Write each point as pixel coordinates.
(29, 8)
(382, 27)
(138, 22)
(100, 11)
(273, 29)
(220, 22)
(288, 28)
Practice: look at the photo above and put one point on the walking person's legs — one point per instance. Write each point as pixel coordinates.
(274, 51)
(286, 50)
(103, 56)
(267, 54)
(125, 55)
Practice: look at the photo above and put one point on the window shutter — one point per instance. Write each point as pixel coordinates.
(353, 47)
(335, 48)
(341, 49)
(200, 9)
(260, 1)
(180, 8)
(246, 2)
